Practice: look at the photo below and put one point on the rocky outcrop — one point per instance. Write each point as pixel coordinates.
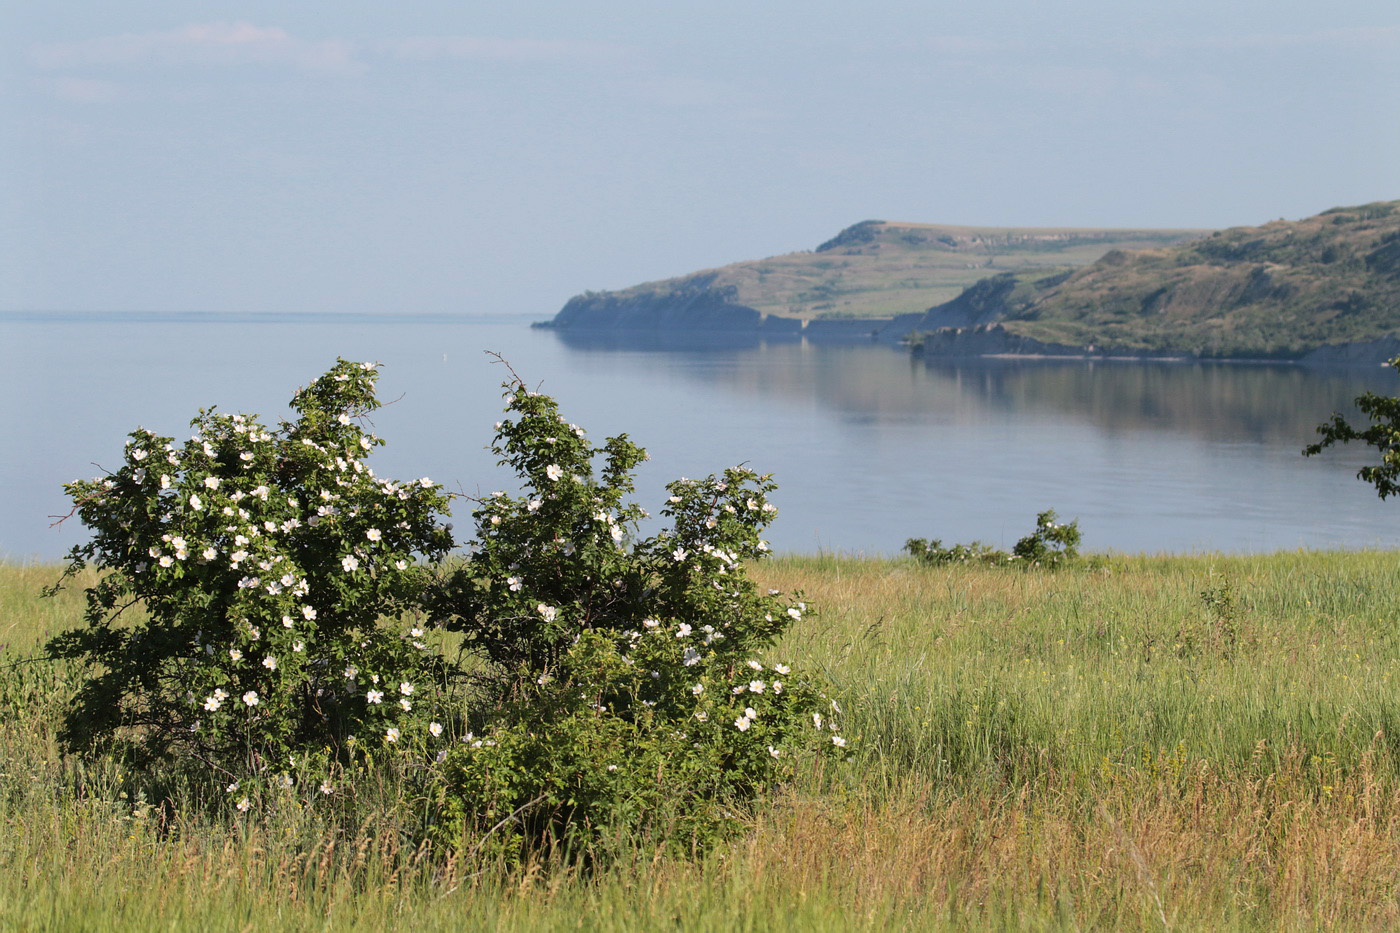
(989, 340)
(1364, 353)
(696, 305)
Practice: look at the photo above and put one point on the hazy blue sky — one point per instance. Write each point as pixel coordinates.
(449, 156)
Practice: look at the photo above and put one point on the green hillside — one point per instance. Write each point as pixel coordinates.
(879, 269)
(1273, 291)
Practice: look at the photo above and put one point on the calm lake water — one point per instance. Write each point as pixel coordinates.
(869, 447)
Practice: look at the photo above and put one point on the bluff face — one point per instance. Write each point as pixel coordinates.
(1325, 288)
(1322, 288)
(859, 283)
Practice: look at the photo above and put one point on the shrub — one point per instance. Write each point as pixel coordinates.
(250, 625)
(933, 552)
(239, 624)
(1383, 434)
(622, 684)
(1051, 545)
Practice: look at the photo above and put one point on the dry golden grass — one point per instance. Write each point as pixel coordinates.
(1077, 750)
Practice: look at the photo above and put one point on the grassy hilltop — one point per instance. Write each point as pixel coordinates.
(1140, 743)
(1273, 291)
(878, 268)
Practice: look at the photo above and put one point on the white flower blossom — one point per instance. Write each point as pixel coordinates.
(546, 612)
(251, 698)
(211, 482)
(235, 654)
(374, 534)
(375, 696)
(270, 663)
(350, 562)
(392, 734)
(838, 741)
(742, 724)
(691, 657)
(554, 471)
(756, 686)
(196, 503)
(435, 729)
(698, 689)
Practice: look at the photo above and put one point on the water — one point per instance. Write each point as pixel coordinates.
(869, 446)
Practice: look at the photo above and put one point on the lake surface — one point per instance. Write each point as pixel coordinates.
(869, 446)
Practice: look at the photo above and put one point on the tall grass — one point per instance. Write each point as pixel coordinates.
(1100, 747)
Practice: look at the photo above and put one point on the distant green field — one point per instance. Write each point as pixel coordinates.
(1141, 743)
(880, 269)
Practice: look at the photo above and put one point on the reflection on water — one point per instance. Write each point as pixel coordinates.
(1215, 401)
(1258, 403)
(870, 447)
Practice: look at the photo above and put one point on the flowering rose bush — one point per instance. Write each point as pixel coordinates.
(249, 571)
(251, 621)
(1052, 544)
(624, 683)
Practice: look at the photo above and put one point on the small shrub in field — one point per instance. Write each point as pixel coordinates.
(240, 624)
(623, 684)
(933, 552)
(1052, 544)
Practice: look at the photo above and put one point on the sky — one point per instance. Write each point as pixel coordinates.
(450, 157)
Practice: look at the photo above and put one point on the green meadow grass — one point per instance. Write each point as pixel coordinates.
(1099, 747)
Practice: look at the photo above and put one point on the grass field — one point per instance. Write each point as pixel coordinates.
(1140, 743)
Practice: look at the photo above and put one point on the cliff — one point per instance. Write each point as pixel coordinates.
(1325, 288)
(854, 284)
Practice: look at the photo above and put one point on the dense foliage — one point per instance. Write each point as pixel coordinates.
(1051, 544)
(264, 620)
(243, 620)
(1383, 434)
(623, 679)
